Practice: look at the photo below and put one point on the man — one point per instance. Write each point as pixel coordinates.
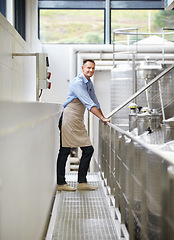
(81, 95)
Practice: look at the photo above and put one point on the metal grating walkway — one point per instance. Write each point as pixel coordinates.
(83, 215)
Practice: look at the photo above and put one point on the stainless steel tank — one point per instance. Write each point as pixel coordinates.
(121, 89)
(169, 129)
(167, 88)
(132, 117)
(148, 120)
(156, 140)
(154, 196)
(135, 189)
(154, 182)
(156, 119)
(143, 122)
(145, 72)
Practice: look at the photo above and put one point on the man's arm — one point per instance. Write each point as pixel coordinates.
(98, 112)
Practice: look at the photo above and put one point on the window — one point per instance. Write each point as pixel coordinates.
(72, 26)
(96, 28)
(20, 17)
(2, 7)
(147, 21)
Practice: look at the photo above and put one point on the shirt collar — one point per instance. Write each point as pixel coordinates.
(84, 78)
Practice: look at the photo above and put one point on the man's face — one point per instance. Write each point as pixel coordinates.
(88, 69)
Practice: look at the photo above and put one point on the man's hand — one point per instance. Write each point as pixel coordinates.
(98, 112)
(105, 120)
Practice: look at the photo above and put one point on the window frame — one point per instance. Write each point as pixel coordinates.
(100, 4)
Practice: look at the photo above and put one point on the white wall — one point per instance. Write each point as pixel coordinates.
(29, 143)
(29, 137)
(18, 74)
(17, 80)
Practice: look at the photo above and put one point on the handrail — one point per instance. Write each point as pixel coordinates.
(158, 152)
(141, 90)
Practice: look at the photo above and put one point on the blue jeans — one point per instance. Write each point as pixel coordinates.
(87, 153)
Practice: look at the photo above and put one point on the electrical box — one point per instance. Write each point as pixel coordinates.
(43, 74)
(43, 64)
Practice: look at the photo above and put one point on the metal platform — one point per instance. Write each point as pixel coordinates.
(82, 215)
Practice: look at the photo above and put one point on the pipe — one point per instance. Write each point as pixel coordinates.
(104, 62)
(110, 63)
(103, 68)
(96, 56)
(107, 53)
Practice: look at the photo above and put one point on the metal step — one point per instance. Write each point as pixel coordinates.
(74, 167)
(74, 163)
(74, 160)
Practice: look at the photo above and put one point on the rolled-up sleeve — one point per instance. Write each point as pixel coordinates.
(94, 98)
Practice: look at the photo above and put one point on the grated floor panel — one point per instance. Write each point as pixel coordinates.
(84, 215)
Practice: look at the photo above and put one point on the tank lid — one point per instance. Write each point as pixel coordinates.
(132, 105)
(144, 109)
(149, 64)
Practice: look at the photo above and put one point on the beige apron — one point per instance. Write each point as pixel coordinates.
(74, 133)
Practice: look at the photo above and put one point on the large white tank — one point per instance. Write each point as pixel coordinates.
(121, 88)
(145, 72)
(167, 87)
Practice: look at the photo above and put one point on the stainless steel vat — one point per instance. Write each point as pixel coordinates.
(143, 122)
(169, 129)
(134, 189)
(154, 196)
(145, 72)
(156, 140)
(121, 89)
(167, 88)
(132, 117)
(149, 120)
(156, 119)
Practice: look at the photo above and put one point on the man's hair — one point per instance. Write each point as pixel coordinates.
(88, 60)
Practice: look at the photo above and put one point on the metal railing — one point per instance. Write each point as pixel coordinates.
(138, 167)
(140, 177)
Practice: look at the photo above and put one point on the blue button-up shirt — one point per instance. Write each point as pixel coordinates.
(82, 88)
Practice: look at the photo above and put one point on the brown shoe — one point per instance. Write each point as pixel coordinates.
(65, 187)
(86, 186)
